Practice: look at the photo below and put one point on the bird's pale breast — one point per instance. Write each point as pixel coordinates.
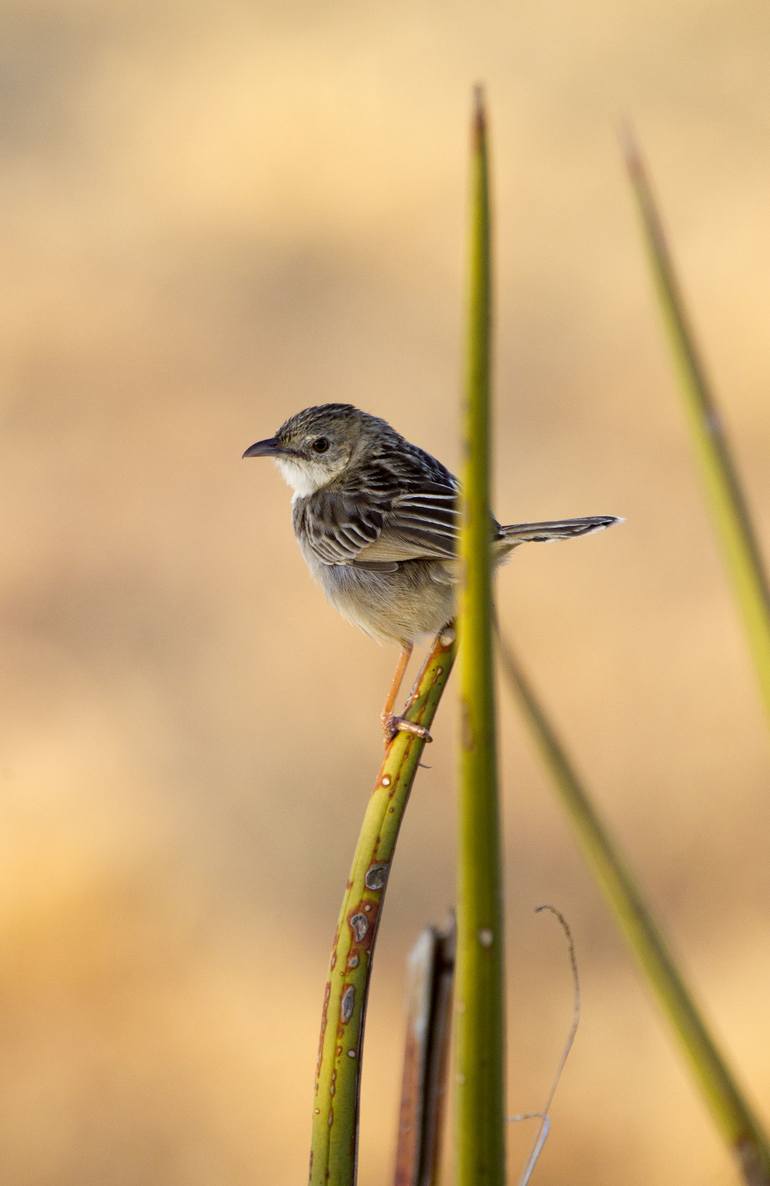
(400, 606)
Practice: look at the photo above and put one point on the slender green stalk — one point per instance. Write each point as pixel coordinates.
(480, 1015)
(731, 1112)
(334, 1144)
(726, 499)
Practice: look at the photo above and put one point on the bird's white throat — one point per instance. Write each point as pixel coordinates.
(304, 477)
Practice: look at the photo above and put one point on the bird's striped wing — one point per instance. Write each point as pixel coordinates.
(337, 527)
(422, 523)
(400, 506)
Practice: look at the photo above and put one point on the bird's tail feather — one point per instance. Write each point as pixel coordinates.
(522, 533)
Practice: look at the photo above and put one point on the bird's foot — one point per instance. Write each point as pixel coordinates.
(392, 724)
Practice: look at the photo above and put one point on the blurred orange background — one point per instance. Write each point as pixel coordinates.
(214, 215)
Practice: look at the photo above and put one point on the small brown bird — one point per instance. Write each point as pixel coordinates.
(378, 522)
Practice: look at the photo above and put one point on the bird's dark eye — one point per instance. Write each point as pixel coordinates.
(320, 444)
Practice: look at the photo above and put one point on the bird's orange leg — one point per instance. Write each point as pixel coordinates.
(391, 723)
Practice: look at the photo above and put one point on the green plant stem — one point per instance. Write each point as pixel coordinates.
(731, 1112)
(479, 1009)
(726, 498)
(334, 1144)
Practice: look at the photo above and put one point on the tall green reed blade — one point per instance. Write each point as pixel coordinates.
(726, 499)
(479, 1009)
(334, 1144)
(731, 1112)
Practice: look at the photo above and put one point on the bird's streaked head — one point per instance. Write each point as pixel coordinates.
(318, 444)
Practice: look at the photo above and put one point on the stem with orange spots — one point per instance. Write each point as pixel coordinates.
(334, 1145)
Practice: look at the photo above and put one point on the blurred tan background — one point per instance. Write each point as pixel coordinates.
(212, 215)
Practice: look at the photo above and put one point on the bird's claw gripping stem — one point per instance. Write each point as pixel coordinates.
(393, 724)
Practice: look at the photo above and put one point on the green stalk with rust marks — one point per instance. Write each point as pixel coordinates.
(480, 1002)
(731, 1112)
(334, 1146)
(727, 501)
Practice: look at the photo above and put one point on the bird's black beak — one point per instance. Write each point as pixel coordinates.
(269, 448)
